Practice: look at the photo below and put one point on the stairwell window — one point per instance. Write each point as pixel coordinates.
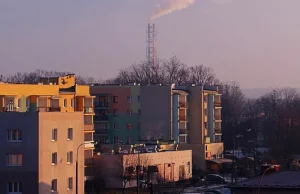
(19, 102)
(14, 187)
(70, 157)
(129, 126)
(14, 135)
(54, 158)
(70, 183)
(115, 126)
(54, 134)
(70, 133)
(129, 99)
(54, 185)
(65, 103)
(129, 112)
(72, 103)
(14, 159)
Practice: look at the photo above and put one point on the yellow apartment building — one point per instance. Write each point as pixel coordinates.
(52, 94)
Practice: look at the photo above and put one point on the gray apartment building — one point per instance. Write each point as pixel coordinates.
(38, 152)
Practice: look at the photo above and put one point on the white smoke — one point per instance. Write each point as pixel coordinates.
(171, 6)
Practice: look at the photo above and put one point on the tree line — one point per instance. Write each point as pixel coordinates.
(274, 117)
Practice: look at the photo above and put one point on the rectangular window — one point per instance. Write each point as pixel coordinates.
(116, 139)
(129, 99)
(14, 187)
(14, 159)
(115, 112)
(129, 126)
(129, 140)
(70, 133)
(140, 112)
(72, 103)
(115, 99)
(139, 98)
(14, 135)
(70, 157)
(129, 112)
(54, 134)
(65, 103)
(54, 158)
(28, 102)
(70, 183)
(19, 102)
(115, 126)
(54, 185)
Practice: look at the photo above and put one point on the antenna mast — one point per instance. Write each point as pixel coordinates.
(151, 52)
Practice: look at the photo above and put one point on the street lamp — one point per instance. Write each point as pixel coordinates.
(94, 142)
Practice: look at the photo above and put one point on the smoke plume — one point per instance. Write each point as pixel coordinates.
(171, 6)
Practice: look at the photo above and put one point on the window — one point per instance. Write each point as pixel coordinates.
(19, 102)
(140, 112)
(70, 133)
(129, 99)
(28, 102)
(139, 125)
(65, 102)
(129, 140)
(116, 139)
(115, 126)
(129, 126)
(115, 112)
(115, 99)
(139, 98)
(54, 185)
(70, 183)
(72, 103)
(14, 159)
(14, 135)
(70, 157)
(54, 158)
(54, 134)
(14, 187)
(129, 112)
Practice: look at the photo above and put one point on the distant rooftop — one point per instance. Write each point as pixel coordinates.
(283, 180)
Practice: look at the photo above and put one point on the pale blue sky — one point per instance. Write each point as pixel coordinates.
(254, 42)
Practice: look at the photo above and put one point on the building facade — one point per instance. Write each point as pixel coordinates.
(171, 166)
(59, 95)
(117, 113)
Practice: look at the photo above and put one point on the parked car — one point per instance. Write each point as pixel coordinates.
(215, 179)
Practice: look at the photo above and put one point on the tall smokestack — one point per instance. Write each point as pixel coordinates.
(171, 6)
(151, 51)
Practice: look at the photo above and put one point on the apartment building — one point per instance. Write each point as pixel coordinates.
(52, 96)
(38, 151)
(167, 166)
(117, 113)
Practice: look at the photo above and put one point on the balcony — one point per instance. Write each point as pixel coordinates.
(218, 103)
(101, 118)
(88, 110)
(182, 104)
(9, 109)
(89, 145)
(218, 117)
(48, 109)
(89, 127)
(218, 130)
(101, 131)
(89, 162)
(101, 104)
(183, 131)
(183, 118)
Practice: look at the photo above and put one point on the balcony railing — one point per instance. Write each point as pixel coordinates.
(218, 130)
(182, 118)
(48, 109)
(182, 131)
(101, 118)
(182, 105)
(217, 103)
(101, 131)
(88, 110)
(89, 144)
(9, 109)
(89, 162)
(218, 117)
(88, 127)
(218, 141)
(101, 104)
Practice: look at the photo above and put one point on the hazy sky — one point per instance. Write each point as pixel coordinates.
(254, 42)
